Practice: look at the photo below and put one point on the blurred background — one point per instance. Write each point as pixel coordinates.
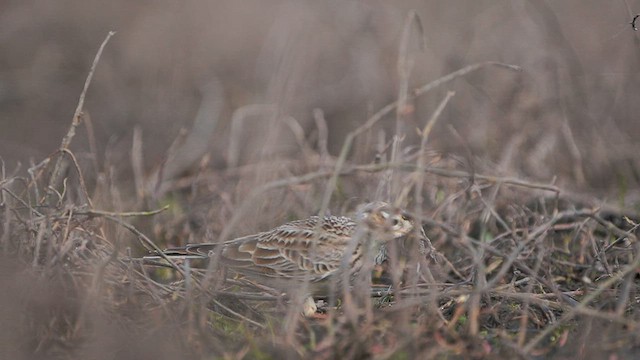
(184, 72)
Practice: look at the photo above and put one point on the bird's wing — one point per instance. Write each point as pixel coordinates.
(293, 250)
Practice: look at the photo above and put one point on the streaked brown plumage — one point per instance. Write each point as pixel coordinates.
(308, 250)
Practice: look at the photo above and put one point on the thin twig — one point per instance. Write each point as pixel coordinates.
(122, 214)
(77, 115)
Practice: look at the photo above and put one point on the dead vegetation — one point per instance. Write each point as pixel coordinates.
(525, 269)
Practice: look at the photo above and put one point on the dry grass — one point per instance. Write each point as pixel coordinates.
(524, 269)
(528, 272)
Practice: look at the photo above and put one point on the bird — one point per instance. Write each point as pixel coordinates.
(309, 251)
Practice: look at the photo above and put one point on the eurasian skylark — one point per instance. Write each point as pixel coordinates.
(310, 250)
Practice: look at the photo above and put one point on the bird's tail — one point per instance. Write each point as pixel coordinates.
(190, 251)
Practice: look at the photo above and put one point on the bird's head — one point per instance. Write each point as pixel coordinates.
(384, 219)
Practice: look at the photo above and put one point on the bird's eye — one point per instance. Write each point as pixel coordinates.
(395, 222)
